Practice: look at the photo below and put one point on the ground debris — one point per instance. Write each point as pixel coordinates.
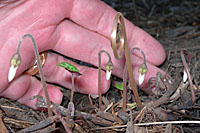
(175, 24)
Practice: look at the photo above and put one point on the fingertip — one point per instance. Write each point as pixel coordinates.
(88, 82)
(55, 95)
(153, 50)
(27, 87)
(152, 71)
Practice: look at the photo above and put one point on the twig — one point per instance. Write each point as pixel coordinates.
(2, 125)
(111, 127)
(64, 123)
(39, 125)
(167, 122)
(147, 124)
(197, 34)
(135, 12)
(166, 97)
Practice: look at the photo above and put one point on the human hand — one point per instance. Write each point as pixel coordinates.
(77, 29)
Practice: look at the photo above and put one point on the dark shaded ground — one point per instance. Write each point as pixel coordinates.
(176, 24)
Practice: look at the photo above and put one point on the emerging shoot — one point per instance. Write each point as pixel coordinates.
(119, 86)
(74, 71)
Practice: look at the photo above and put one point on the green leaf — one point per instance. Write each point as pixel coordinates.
(68, 66)
(119, 86)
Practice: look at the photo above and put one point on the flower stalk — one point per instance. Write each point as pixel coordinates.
(186, 69)
(16, 61)
(119, 44)
(143, 67)
(142, 71)
(109, 68)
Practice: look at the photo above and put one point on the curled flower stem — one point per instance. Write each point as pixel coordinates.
(143, 68)
(119, 42)
(39, 68)
(125, 74)
(186, 68)
(140, 50)
(99, 75)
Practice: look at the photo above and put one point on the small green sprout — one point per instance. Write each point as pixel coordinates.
(119, 86)
(68, 67)
(74, 71)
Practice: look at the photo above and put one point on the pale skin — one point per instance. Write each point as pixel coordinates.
(75, 28)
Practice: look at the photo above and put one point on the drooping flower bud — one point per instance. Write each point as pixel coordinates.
(185, 76)
(15, 62)
(142, 72)
(109, 68)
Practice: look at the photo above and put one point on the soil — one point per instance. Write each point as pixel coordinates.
(176, 24)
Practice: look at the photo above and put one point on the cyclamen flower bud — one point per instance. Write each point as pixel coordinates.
(109, 68)
(142, 72)
(14, 64)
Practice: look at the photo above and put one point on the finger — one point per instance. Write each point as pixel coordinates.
(151, 71)
(84, 45)
(86, 83)
(25, 86)
(101, 21)
(21, 21)
(5, 56)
